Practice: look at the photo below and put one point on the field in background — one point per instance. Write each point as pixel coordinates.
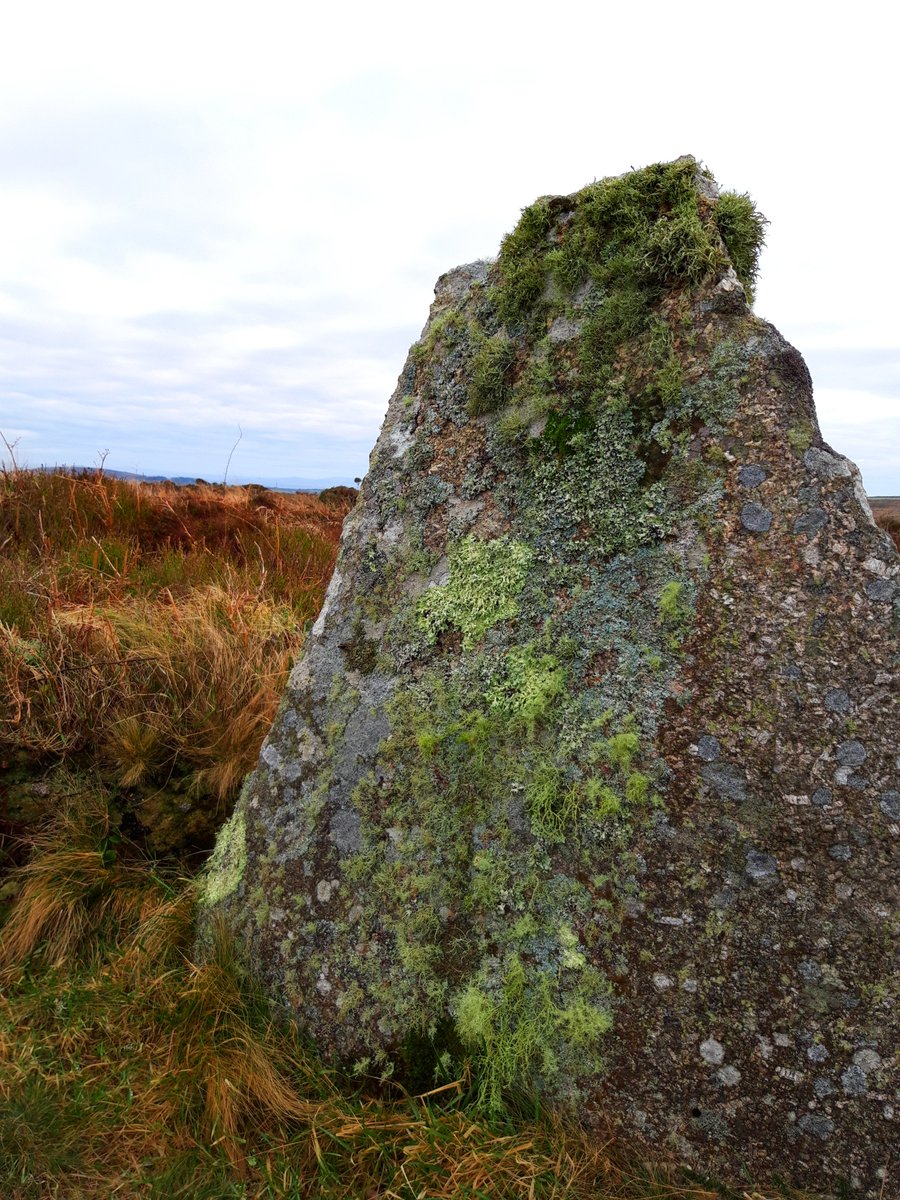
(886, 510)
(145, 636)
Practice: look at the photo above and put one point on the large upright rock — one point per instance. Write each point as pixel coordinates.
(590, 762)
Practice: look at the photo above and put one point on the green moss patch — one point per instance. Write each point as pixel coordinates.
(491, 369)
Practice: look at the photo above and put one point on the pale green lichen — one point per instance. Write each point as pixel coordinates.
(522, 1030)
(672, 606)
(800, 437)
(485, 579)
(227, 862)
(532, 683)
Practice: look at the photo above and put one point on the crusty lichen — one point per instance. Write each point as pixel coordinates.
(227, 863)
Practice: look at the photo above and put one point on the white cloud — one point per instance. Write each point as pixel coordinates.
(207, 209)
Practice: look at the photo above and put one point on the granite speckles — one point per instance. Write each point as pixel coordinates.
(811, 522)
(882, 591)
(853, 1081)
(760, 867)
(726, 779)
(708, 748)
(836, 700)
(826, 466)
(816, 1125)
(850, 753)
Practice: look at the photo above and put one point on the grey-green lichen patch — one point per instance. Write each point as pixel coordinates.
(485, 580)
(569, 773)
(227, 863)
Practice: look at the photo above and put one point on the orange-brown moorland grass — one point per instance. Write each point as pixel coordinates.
(147, 631)
(886, 510)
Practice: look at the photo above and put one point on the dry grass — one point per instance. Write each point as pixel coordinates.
(151, 684)
(149, 630)
(72, 890)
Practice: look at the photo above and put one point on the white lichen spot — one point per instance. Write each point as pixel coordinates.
(331, 595)
(712, 1052)
(270, 756)
(323, 891)
(662, 982)
(227, 862)
(728, 1076)
(868, 1060)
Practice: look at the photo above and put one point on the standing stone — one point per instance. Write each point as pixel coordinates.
(546, 783)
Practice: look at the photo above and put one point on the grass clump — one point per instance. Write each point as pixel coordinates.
(445, 330)
(522, 262)
(633, 238)
(146, 631)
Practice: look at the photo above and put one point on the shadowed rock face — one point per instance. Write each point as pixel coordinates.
(590, 763)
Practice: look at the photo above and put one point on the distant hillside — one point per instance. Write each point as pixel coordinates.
(285, 483)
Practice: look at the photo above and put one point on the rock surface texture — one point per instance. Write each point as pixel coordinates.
(590, 765)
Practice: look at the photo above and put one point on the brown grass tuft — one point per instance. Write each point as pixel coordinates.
(72, 888)
(149, 630)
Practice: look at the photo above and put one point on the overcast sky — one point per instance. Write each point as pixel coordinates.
(223, 216)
